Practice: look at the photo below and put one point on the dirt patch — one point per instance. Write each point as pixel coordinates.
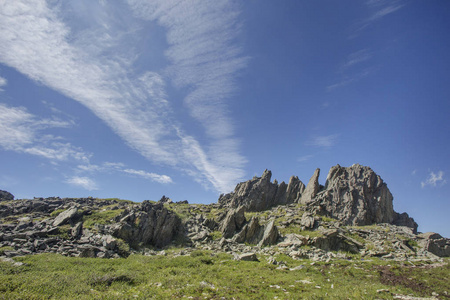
(388, 277)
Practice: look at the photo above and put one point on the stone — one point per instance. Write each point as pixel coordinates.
(6, 196)
(270, 235)
(332, 240)
(435, 243)
(355, 196)
(256, 194)
(77, 230)
(404, 219)
(308, 221)
(150, 224)
(260, 193)
(233, 222)
(65, 216)
(109, 242)
(312, 188)
(294, 190)
(250, 256)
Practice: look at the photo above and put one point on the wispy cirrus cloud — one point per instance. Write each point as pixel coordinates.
(305, 158)
(83, 182)
(323, 141)
(23, 132)
(434, 179)
(356, 57)
(378, 9)
(81, 56)
(108, 167)
(351, 78)
(151, 176)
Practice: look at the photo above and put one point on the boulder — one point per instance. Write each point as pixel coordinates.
(435, 243)
(254, 233)
(233, 222)
(308, 221)
(250, 256)
(6, 196)
(65, 216)
(149, 224)
(334, 241)
(270, 234)
(405, 220)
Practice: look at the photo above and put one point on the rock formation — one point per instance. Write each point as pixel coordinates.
(354, 195)
(260, 193)
(149, 224)
(6, 196)
(260, 217)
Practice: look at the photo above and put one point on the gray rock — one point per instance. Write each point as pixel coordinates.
(294, 190)
(312, 188)
(308, 220)
(6, 196)
(435, 243)
(77, 230)
(332, 240)
(150, 224)
(233, 222)
(355, 196)
(270, 235)
(260, 193)
(256, 194)
(405, 220)
(247, 257)
(65, 216)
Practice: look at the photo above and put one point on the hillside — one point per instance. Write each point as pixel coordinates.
(280, 228)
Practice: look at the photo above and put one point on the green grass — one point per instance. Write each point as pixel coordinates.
(100, 217)
(5, 248)
(115, 199)
(204, 275)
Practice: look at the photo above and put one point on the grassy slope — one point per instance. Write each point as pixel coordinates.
(202, 275)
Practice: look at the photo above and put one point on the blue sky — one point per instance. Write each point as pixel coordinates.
(138, 99)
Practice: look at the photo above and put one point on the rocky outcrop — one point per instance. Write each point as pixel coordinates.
(260, 193)
(233, 222)
(6, 196)
(435, 243)
(310, 216)
(335, 241)
(357, 196)
(256, 234)
(312, 188)
(149, 224)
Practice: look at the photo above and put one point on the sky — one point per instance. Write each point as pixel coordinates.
(136, 99)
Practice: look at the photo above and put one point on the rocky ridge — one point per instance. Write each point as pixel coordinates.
(350, 216)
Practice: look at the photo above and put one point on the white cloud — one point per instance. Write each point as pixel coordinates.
(305, 158)
(151, 176)
(89, 57)
(379, 9)
(323, 141)
(384, 11)
(84, 182)
(356, 58)
(434, 179)
(109, 167)
(350, 79)
(22, 132)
